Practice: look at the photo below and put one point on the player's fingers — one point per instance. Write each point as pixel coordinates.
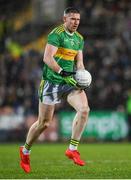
(73, 73)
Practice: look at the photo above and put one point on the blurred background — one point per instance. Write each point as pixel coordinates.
(106, 27)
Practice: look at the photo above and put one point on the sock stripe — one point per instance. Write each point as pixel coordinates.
(27, 146)
(74, 142)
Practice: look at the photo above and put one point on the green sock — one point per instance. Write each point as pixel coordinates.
(27, 146)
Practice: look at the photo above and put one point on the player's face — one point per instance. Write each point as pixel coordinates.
(72, 21)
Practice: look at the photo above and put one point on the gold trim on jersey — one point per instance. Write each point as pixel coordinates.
(79, 34)
(66, 54)
(59, 29)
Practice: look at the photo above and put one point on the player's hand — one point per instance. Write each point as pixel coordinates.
(66, 73)
(70, 80)
(67, 76)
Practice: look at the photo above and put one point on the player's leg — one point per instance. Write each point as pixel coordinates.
(78, 100)
(44, 119)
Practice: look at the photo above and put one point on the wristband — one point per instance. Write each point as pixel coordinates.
(59, 70)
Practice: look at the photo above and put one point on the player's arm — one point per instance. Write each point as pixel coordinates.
(79, 60)
(50, 51)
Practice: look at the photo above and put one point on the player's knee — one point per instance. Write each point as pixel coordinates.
(43, 126)
(84, 111)
(43, 123)
(46, 125)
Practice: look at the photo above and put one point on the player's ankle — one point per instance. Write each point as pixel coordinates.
(26, 149)
(73, 145)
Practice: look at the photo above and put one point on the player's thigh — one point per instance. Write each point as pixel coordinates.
(78, 100)
(45, 112)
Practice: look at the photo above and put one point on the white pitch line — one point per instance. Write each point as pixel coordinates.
(109, 161)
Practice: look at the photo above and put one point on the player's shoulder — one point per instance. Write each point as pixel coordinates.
(58, 30)
(79, 35)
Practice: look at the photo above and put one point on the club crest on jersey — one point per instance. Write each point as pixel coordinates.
(72, 42)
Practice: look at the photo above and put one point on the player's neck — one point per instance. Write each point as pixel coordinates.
(68, 32)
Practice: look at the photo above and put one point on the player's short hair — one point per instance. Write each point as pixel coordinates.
(71, 10)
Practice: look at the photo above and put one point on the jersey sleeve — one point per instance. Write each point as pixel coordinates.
(82, 44)
(53, 39)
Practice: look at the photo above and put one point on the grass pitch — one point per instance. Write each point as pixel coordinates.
(49, 162)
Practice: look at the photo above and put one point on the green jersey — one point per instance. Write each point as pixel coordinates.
(68, 47)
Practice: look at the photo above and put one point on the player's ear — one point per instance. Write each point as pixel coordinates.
(64, 19)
